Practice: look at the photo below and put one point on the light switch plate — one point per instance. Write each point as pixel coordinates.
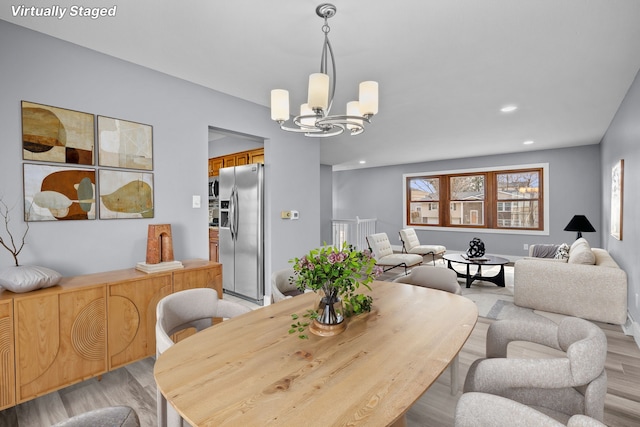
(196, 201)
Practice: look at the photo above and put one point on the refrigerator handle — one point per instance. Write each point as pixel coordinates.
(232, 214)
(236, 213)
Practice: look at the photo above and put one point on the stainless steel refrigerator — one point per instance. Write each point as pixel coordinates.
(241, 230)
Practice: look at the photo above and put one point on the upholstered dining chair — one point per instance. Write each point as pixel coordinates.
(572, 383)
(482, 410)
(281, 286)
(192, 308)
(112, 416)
(411, 245)
(442, 279)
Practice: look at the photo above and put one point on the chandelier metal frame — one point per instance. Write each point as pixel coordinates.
(320, 123)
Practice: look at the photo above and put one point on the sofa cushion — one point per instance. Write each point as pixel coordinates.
(581, 254)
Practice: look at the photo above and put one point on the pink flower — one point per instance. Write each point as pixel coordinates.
(334, 257)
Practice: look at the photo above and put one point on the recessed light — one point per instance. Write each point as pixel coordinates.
(509, 108)
(528, 142)
(362, 162)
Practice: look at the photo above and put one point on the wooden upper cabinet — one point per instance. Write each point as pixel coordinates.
(60, 339)
(256, 156)
(235, 159)
(7, 373)
(214, 166)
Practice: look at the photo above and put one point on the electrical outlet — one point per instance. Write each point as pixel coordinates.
(525, 247)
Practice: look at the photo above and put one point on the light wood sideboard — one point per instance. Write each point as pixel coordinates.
(85, 326)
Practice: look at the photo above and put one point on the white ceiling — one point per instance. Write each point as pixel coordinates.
(445, 67)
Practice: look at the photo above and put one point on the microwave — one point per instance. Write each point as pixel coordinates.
(213, 188)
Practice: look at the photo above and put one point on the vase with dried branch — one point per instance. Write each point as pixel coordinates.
(9, 243)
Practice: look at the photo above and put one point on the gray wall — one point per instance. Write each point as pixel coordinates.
(46, 70)
(622, 141)
(326, 204)
(231, 144)
(574, 189)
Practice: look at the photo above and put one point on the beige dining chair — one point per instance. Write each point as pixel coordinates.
(442, 279)
(281, 285)
(482, 410)
(411, 245)
(572, 383)
(192, 308)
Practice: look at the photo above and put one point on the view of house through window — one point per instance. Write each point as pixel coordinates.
(509, 199)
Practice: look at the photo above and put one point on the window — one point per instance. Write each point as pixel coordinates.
(496, 199)
(424, 200)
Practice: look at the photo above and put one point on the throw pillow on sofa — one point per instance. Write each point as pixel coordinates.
(580, 253)
(562, 252)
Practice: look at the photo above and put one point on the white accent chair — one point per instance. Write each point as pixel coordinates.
(192, 308)
(411, 245)
(482, 410)
(386, 258)
(281, 285)
(560, 387)
(442, 279)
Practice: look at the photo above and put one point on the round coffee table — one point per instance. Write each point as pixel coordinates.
(498, 279)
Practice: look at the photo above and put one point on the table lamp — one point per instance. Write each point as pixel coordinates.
(579, 223)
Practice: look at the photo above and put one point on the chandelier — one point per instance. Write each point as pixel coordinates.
(314, 119)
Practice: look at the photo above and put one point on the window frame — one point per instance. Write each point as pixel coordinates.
(491, 217)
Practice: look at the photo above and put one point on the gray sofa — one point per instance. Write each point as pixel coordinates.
(589, 284)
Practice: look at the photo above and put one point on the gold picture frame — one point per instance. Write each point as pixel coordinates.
(617, 192)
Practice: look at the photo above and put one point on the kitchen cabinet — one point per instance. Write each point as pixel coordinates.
(235, 159)
(213, 244)
(7, 375)
(256, 156)
(214, 166)
(85, 326)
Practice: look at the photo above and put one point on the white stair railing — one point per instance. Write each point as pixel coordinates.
(353, 231)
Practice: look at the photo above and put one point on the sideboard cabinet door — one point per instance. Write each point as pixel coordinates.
(132, 317)
(7, 372)
(60, 339)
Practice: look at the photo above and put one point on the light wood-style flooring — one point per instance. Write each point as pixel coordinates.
(133, 385)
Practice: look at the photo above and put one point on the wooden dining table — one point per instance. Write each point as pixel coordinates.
(249, 371)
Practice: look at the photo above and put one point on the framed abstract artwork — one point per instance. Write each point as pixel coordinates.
(125, 194)
(124, 144)
(53, 193)
(52, 134)
(617, 191)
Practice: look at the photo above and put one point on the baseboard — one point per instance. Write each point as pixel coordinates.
(632, 328)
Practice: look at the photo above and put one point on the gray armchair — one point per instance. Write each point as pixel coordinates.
(560, 387)
(484, 410)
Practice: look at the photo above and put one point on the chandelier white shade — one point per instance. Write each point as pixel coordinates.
(314, 119)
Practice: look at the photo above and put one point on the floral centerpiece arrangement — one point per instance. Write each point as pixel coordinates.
(335, 274)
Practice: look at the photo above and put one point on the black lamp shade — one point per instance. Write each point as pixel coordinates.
(579, 223)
